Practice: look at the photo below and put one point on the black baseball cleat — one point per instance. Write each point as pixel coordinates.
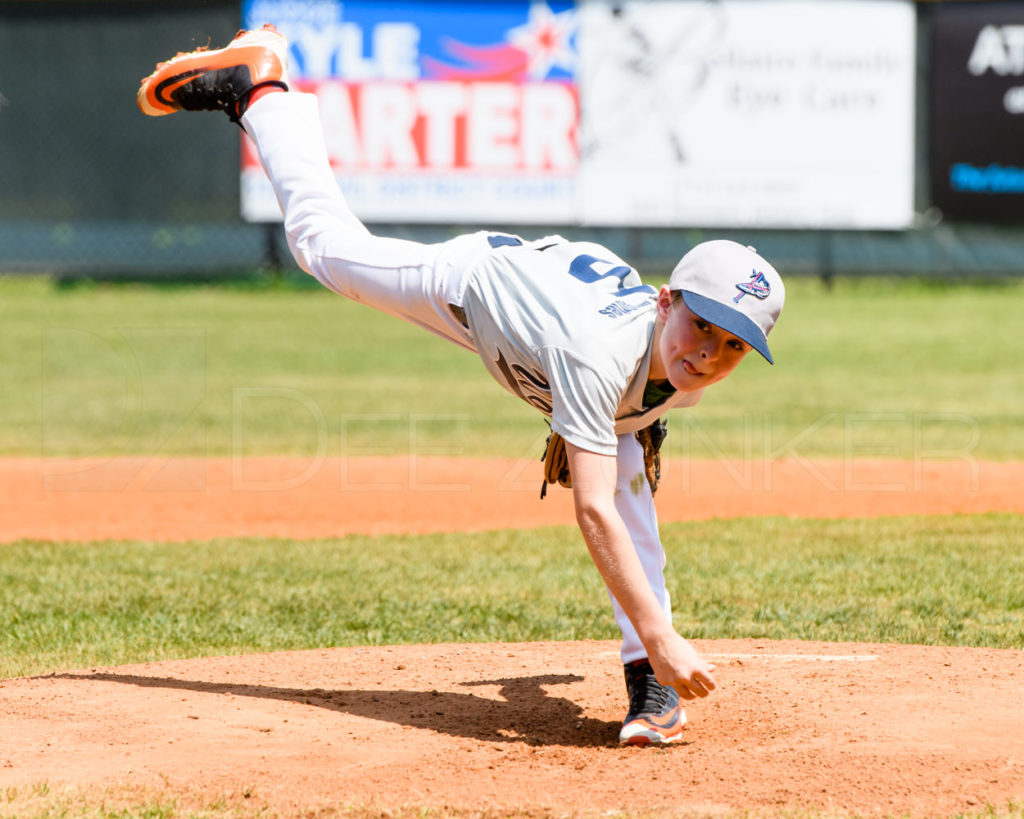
(655, 717)
(219, 79)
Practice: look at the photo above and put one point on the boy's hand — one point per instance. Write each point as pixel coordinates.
(676, 663)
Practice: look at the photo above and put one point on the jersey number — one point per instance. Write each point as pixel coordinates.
(582, 268)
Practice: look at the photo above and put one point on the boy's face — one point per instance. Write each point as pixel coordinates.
(694, 352)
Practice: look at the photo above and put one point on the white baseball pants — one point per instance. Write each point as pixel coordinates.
(416, 282)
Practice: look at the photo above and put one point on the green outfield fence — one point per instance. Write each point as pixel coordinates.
(90, 187)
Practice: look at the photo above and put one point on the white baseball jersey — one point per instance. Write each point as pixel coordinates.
(567, 327)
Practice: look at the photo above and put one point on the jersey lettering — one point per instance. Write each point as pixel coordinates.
(526, 377)
(532, 387)
(619, 308)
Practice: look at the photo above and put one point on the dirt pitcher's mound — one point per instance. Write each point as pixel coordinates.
(532, 728)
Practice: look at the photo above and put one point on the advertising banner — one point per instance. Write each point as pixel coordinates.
(977, 111)
(748, 112)
(762, 113)
(435, 111)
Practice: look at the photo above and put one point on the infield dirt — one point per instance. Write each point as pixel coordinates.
(195, 498)
(525, 729)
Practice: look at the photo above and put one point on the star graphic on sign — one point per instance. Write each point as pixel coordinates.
(545, 38)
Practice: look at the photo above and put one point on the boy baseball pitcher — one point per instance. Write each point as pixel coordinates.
(568, 327)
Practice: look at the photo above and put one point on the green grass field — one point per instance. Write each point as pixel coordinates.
(868, 368)
(895, 369)
(931, 580)
(890, 369)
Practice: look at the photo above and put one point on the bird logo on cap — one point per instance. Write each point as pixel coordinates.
(757, 286)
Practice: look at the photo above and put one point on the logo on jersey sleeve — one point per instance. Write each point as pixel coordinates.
(758, 286)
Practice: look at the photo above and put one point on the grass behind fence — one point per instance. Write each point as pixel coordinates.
(932, 580)
(871, 368)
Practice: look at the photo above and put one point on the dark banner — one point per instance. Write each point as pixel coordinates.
(977, 113)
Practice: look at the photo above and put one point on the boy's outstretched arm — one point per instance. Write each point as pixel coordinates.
(675, 662)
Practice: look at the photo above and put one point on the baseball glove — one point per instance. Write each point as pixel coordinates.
(651, 439)
(556, 464)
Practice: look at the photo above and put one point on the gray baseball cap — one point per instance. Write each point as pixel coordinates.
(731, 286)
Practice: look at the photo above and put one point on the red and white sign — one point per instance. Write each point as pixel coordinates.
(444, 126)
(454, 113)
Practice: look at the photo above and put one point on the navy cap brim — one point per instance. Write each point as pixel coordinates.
(730, 320)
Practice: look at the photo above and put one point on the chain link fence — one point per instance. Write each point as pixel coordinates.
(87, 183)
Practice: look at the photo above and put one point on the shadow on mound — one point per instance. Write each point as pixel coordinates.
(527, 715)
